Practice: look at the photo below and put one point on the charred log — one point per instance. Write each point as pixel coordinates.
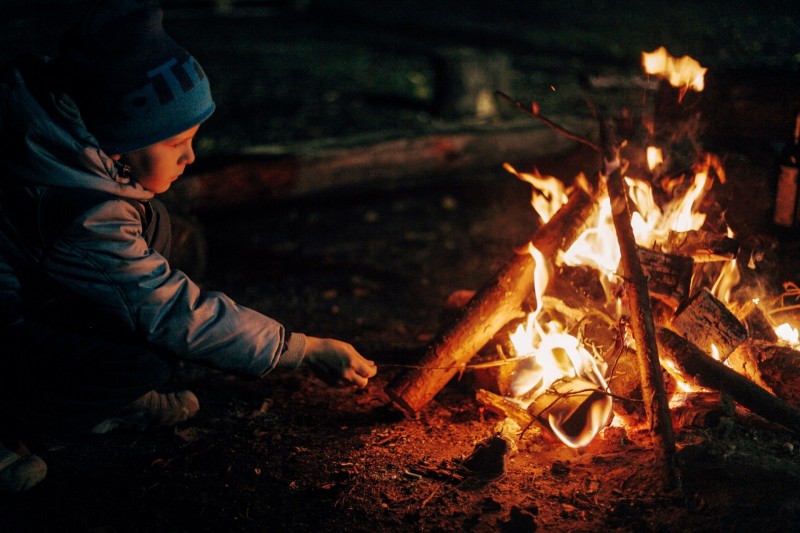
(772, 366)
(689, 363)
(669, 276)
(701, 246)
(757, 322)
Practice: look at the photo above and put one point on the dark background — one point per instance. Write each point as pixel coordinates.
(285, 71)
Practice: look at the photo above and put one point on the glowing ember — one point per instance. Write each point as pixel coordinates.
(684, 73)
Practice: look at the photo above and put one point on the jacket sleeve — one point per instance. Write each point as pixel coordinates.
(103, 256)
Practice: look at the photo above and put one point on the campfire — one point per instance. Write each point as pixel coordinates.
(628, 304)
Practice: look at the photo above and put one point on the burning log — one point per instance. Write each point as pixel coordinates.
(700, 410)
(669, 277)
(774, 367)
(702, 246)
(707, 323)
(498, 302)
(642, 323)
(689, 363)
(502, 406)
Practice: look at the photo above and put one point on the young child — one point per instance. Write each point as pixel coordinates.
(92, 316)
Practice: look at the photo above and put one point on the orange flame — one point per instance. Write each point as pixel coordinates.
(684, 73)
(549, 193)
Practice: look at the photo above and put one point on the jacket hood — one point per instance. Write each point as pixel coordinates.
(43, 140)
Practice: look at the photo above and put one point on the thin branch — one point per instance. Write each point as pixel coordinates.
(534, 112)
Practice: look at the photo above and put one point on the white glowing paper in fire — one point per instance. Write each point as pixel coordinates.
(548, 355)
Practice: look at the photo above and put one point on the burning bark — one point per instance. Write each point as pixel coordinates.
(700, 410)
(774, 367)
(669, 276)
(707, 323)
(498, 302)
(689, 363)
(701, 246)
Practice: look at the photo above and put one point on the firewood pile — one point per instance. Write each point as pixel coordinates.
(677, 339)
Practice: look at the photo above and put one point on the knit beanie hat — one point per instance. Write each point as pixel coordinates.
(133, 84)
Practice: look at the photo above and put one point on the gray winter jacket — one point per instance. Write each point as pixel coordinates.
(102, 253)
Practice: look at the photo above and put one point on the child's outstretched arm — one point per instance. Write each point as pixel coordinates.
(337, 363)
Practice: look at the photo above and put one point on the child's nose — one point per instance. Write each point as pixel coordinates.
(187, 158)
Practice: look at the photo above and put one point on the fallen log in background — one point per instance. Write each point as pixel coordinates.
(492, 307)
(376, 162)
(688, 362)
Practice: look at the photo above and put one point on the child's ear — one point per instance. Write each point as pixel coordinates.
(116, 157)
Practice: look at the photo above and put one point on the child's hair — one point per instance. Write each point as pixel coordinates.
(133, 85)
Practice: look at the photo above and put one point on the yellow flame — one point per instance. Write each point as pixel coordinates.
(715, 351)
(549, 193)
(654, 157)
(684, 73)
(681, 215)
(728, 278)
(788, 334)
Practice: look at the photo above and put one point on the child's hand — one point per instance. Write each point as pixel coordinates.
(337, 363)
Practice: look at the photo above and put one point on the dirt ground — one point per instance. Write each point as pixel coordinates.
(287, 453)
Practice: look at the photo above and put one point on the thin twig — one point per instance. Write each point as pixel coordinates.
(534, 112)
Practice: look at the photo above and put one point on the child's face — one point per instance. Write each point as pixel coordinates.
(157, 166)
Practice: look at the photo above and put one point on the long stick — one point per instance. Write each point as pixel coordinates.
(642, 323)
(492, 307)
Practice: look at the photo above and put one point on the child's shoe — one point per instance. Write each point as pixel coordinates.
(154, 409)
